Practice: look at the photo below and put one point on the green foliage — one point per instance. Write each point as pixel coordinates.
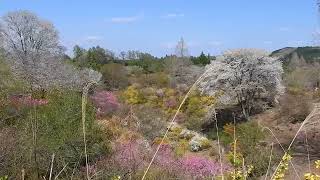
(94, 57)
(78, 51)
(4, 177)
(201, 60)
(248, 134)
(56, 128)
(310, 54)
(248, 137)
(148, 63)
(182, 147)
(196, 107)
(158, 79)
(8, 83)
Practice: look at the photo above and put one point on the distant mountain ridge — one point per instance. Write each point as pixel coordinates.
(298, 55)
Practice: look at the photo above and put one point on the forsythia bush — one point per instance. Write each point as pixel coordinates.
(283, 167)
(312, 176)
(132, 95)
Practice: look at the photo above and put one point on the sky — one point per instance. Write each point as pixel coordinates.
(155, 26)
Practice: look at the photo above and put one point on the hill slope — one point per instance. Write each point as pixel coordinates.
(298, 55)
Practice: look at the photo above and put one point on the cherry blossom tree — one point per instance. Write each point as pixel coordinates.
(33, 50)
(245, 77)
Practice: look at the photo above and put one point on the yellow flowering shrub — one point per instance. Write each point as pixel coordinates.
(205, 143)
(241, 174)
(132, 95)
(158, 140)
(283, 167)
(317, 162)
(313, 176)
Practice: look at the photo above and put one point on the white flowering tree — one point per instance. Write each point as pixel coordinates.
(32, 48)
(244, 77)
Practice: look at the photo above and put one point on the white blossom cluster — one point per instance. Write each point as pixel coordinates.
(243, 76)
(33, 50)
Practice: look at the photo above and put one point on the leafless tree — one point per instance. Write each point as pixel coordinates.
(181, 49)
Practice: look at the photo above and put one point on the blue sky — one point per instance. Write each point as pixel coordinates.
(155, 26)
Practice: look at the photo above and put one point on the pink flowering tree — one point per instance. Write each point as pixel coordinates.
(105, 102)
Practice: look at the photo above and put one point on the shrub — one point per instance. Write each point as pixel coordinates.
(248, 137)
(158, 79)
(105, 102)
(198, 143)
(182, 147)
(130, 156)
(58, 133)
(152, 121)
(196, 108)
(199, 167)
(132, 95)
(114, 76)
(295, 106)
(27, 101)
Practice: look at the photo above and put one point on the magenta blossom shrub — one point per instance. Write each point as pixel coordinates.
(200, 167)
(197, 167)
(165, 159)
(133, 156)
(105, 102)
(130, 156)
(27, 101)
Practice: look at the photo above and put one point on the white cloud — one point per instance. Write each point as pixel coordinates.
(172, 15)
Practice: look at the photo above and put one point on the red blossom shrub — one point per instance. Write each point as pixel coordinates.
(105, 102)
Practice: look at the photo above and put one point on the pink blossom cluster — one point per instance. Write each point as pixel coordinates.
(130, 155)
(166, 160)
(27, 101)
(105, 102)
(199, 167)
